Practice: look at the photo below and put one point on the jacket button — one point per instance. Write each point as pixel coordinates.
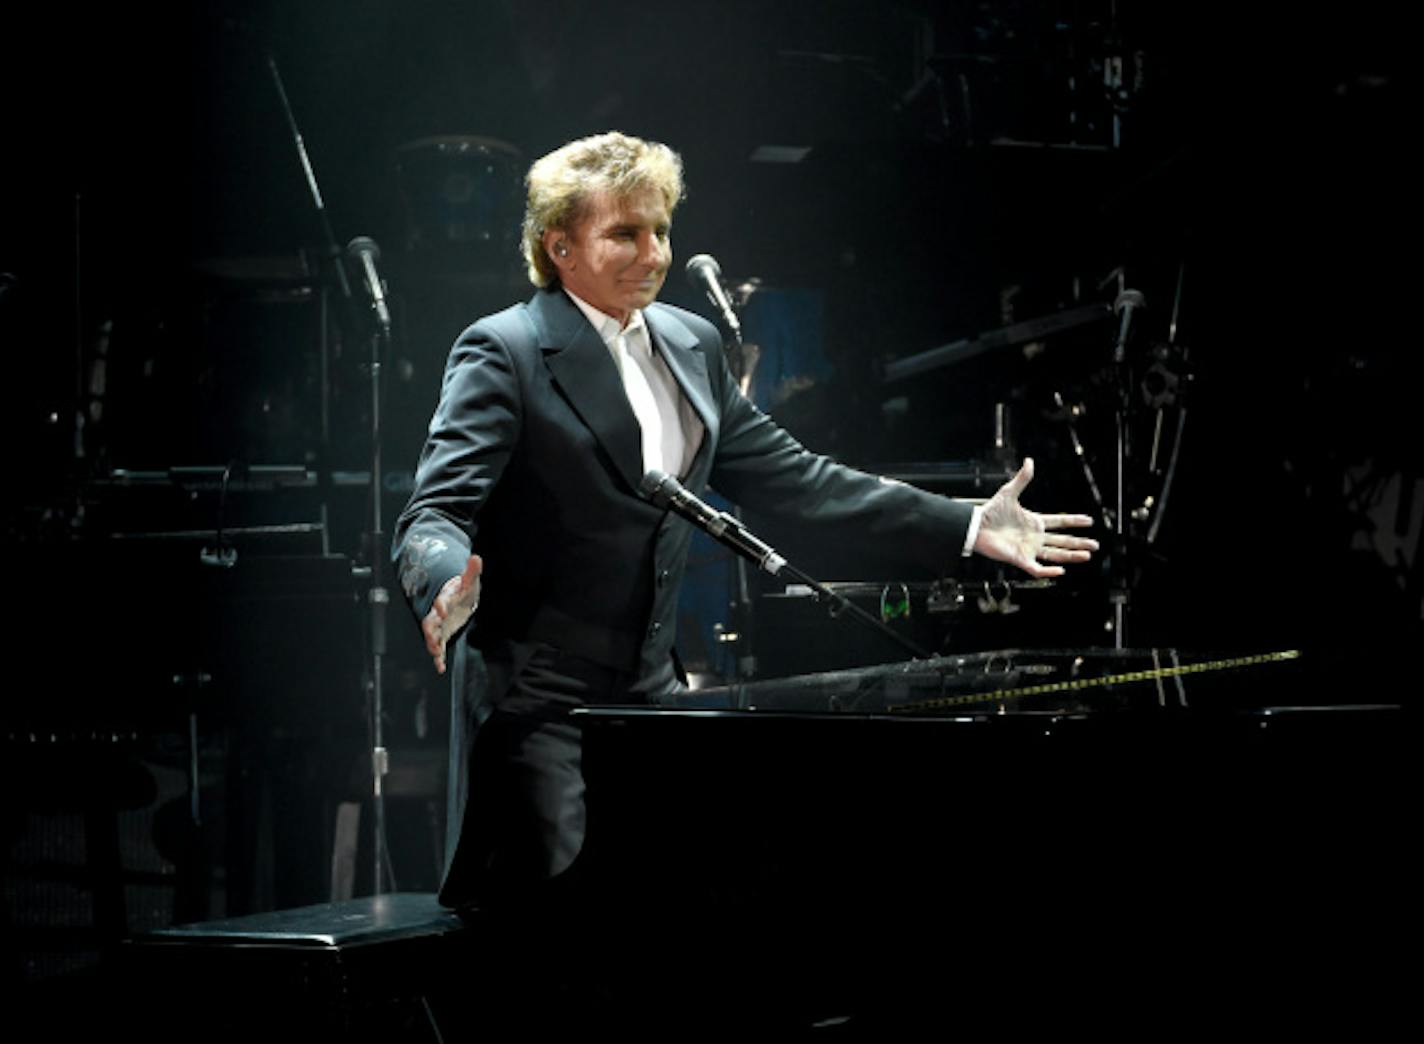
(654, 629)
(663, 577)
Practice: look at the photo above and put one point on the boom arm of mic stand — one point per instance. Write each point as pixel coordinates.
(837, 605)
(331, 248)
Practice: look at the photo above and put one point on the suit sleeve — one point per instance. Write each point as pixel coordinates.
(761, 466)
(472, 434)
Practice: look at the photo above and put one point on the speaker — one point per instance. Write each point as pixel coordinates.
(83, 862)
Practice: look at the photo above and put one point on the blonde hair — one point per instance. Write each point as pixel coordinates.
(560, 185)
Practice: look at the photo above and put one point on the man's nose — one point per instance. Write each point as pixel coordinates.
(655, 252)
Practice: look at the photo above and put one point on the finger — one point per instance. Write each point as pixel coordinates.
(1032, 566)
(1042, 572)
(1016, 485)
(435, 645)
(1055, 554)
(1075, 542)
(456, 590)
(473, 568)
(443, 599)
(1067, 521)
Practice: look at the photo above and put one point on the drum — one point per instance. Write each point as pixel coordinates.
(463, 199)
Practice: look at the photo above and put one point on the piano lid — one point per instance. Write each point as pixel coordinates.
(1004, 681)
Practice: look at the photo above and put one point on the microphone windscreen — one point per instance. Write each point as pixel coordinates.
(655, 487)
(699, 264)
(1129, 297)
(364, 244)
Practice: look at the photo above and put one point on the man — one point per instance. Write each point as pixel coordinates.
(550, 414)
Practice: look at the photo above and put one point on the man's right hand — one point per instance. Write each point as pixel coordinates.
(454, 605)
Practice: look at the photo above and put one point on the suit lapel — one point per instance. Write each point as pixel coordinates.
(585, 372)
(588, 377)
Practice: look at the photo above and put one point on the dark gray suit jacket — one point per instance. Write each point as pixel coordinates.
(534, 459)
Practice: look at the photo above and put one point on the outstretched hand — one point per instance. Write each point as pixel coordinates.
(454, 605)
(1009, 532)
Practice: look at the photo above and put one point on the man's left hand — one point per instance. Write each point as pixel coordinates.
(1009, 532)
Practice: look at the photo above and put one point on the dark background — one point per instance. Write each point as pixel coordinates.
(166, 277)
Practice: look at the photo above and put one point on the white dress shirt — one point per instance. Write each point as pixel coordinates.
(672, 430)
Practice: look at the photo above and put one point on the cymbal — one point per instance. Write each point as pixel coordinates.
(458, 144)
(970, 476)
(1018, 333)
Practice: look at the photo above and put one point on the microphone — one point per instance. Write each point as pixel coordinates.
(364, 249)
(705, 274)
(667, 492)
(1127, 302)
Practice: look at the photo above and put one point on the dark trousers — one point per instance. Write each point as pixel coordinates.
(551, 957)
(525, 820)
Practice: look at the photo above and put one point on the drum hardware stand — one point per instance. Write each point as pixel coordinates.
(1160, 387)
(1172, 389)
(1128, 301)
(1069, 414)
(1114, 518)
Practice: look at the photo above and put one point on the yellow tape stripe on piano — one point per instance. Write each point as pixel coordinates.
(939, 703)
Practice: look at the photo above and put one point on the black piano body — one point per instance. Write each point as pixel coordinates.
(1133, 848)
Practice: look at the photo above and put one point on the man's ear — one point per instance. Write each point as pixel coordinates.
(556, 245)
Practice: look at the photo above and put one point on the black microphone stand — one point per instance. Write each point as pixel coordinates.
(743, 616)
(837, 605)
(727, 529)
(331, 250)
(378, 598)
(378, 595)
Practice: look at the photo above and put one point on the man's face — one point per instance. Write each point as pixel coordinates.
(619, 254)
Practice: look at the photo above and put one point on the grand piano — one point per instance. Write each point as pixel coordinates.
(980, 832)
